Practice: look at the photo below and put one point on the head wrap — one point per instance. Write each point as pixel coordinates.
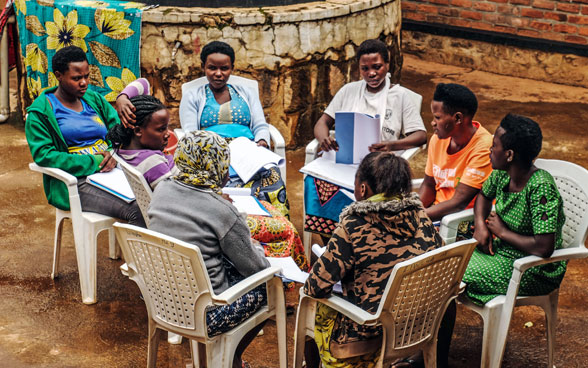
(203, 160)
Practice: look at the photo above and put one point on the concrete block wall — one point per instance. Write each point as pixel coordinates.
(560, 20)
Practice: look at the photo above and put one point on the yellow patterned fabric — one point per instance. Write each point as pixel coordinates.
(203, 160)
(323, 328)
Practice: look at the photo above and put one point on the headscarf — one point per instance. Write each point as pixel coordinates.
(203, 160)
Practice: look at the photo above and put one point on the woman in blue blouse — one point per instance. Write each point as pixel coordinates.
(231, 110)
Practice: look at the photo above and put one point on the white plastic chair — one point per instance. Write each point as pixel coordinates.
(174, 282)
(572, 182)
(86, 226)
(312, 151)
(412, 306)
(278, 144)
(143, 193)
(139, 185)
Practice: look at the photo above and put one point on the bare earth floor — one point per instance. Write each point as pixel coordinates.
(44, 324)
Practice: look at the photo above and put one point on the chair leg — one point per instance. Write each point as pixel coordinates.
(300, 331)
(113, 246)
(57, 244)
(278, 291)
(85, 241)
(551, 323)
(430, 354)
(490, 347)
(307, 242)
(152, 343)
(198, 354)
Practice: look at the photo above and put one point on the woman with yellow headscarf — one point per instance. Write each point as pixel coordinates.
(190, 208)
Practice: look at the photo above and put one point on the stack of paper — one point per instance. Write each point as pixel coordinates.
(326, 169)
(113, 182)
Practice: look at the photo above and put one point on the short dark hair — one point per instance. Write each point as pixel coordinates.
(523, 136)
(145, 107)
(66, 55)
(372, 47)
(456, 97)
(385, 173)
(217, 47)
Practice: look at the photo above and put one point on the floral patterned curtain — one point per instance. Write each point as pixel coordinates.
(109, 32)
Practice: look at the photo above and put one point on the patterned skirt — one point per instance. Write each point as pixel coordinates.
(323, 203)
(267, 185)
(323, 328)
(489, 276)
(278, 236)
(223, 318)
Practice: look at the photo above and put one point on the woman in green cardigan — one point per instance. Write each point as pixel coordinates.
(66, 129)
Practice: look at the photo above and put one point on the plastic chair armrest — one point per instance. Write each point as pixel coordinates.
(350, 310)
(525, 263)
(59, 174)
(242, 287)
(450, 223)
(278, 143)
(311, 151)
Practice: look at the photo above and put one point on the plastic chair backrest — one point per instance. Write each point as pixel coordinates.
(139, 185)
(572, 183)
(171, 275)
(419, 291)
(233, 79)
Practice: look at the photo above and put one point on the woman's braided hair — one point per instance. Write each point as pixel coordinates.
(145, 106)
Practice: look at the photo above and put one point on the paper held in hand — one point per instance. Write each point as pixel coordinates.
(327, 169)
(245, 202)
(113, 182)
(291, 272)
(247, 158)
(354, 133)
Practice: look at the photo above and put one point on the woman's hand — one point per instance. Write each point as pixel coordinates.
(262, 143)
(484, 239)
(126, 111)
(108, 162)
(227, 197)
(328, 143)
(496, 225)
(381, 147)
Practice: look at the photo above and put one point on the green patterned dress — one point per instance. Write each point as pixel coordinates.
(537, 209)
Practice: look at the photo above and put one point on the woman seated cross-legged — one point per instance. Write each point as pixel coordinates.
(66, 129)
(231, 110)
(142, 145)
(386, 225)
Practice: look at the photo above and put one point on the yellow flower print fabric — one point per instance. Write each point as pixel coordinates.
(108, 31)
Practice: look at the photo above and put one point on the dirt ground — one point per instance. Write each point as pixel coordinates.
(44, 324)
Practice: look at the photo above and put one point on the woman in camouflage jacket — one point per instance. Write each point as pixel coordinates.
(386, 225)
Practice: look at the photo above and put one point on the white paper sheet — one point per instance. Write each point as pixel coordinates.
(325, 168)
(248, 205)
(113, 182)
(289, 268)
(247, 158)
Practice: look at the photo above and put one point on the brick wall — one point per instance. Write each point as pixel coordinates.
(562, 20)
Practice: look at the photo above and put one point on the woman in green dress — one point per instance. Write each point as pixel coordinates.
(527, 220)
